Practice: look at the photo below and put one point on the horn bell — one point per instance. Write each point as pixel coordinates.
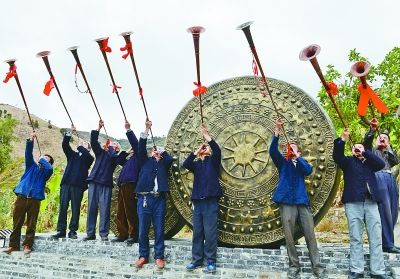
(10, 61)
(127, 33)
(309, 52)
(196, 29)
(360, 69)
(73, 48)
(244, 25)
(43, 53)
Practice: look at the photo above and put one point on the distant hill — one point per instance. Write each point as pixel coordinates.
(50, 138)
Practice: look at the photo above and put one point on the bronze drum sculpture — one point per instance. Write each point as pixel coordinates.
(242, 122)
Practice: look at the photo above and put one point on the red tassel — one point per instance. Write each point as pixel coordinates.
(49, 86)
(107, 144)
(128, 49)
(104, 45)
(115, 88)
(255, 72)
(141, 92)
(367, 95)
(288, 151)
(200, 90)
(333, 89)
(11, 73)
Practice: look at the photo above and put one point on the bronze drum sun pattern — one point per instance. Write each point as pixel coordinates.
(242, 123)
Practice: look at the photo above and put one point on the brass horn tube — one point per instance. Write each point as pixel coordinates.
(245, 27)
(11, 62)
(74, 51)
(127, 37)
(100, 41)
(195, 31)
(44, 55)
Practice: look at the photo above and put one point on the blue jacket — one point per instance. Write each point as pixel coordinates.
(357, 173)
(291, 188)
(34, 179)
(206, 173)
(78, 164)
(149, 168)
(130, 170)
(106, 162)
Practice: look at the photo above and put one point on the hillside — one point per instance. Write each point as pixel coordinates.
(49, 138)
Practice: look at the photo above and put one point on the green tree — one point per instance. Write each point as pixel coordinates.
(384, 79)
(7, 126)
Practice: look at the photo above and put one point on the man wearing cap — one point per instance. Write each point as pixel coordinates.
(152, 189)
(73, 184)
(29, 191)
(101, 184)
(387, 186)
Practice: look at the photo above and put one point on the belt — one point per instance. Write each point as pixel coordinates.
(23, 196)
(387, 171)
(155, 194)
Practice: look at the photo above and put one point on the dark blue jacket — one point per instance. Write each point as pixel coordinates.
(106, 162)
(130, 170)
(149, 168)
(357, 173)
(206, 173)
(34, 179)
(78, 164)
(291, 188)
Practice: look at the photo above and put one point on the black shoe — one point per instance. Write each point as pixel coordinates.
(354, 275)
(293, 272)
(89, 238)
(58, 235)
(118, 239)
(380, 276)
(318, 271)
(72, 235)
(393, 250)
(130, 241)
(104, 238)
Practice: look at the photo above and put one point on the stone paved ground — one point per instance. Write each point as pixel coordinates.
(95, 259)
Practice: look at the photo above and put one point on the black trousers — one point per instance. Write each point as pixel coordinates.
(73, 194)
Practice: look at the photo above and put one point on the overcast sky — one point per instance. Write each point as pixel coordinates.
(164, 50)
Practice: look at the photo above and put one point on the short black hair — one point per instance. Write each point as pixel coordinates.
(51, 159)
(384, 133)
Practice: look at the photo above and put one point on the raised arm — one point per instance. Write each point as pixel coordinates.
(216, 151)
(276, 156)
(131, 137)
(369, 136)
(66, 146)
(142, 151)
(304, 166)
(338, 153)
(87, 157)
(189, 162)
(167, 159)
(392, 156)
(29, 151)
(373, 161)
(47, 168)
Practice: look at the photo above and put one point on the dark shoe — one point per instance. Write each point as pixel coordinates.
(160, 263)
(140, 262)
(393, 250)
(293, 272)
(59, 235)
(354, 275)
(192, 266)
(211, 267)
(89, 238)
(130, 241)
(72, 235)
(104, 238)
(27, 249)
(380, 276)
(118, 239)
(318, 271)
(10, 249)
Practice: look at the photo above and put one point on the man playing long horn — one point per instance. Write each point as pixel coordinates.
(152, 189)
(29, 191)
(360, 202)
(101, 184)
(387, 186)
(127, 220)
(291, 195)
(205, 163)
(73, 184)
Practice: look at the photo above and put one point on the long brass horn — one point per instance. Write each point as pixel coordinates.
(74, 51)
(195, 31)
(361, 69)
(245, 27)
(45, 57)
(102, 42)
(13, 67)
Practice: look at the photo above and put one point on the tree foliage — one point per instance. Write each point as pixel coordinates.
(384, 78)
(7, 125)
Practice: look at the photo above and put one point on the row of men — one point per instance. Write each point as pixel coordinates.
(371, 192)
